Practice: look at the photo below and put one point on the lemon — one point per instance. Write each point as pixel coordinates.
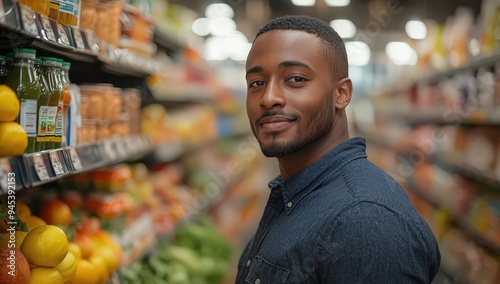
(100, 267)
(13, 241)
(67, 267)
(45, 245)
(9, 108)
(45, 275)
(33, 221)
(13, 139)
(75, 249)
(85, 273)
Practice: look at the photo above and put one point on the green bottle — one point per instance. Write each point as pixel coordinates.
(43, 101)
(22, 79)
(50, 67)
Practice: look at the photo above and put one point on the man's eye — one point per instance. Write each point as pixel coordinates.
(296, 79)
(257, 84)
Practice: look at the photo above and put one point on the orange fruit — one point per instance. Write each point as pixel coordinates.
(56, 212)
(22, 210)
(100, 267)
(13, 241)
(45, 245)
(86, 245)
(75, 249)
(85, 273)
(67, 267)
(13, 139)
(88, 225)
(14, 268)
(45, 275)
(10, 106)
(33, 221)
(109, 257)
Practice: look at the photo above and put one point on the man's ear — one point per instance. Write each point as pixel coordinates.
(343, 93)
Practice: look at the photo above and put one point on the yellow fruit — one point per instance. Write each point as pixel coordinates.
(85, 273)
(33, 221)
(67, 267)
(45, 275)
(9, 108)
(13, 241)
(22, 210)
(75, 249)
(13, 139)
(45, 245)
(100, 267)
(109, 257)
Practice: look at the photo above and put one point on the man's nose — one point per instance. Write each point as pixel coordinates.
(273, 95)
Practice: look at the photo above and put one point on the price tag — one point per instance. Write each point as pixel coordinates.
(56, 163)
(41, 170)
(92, 42)
(75, 159)
(121, 149)
(28, 18)
(47, 28)
(77, 35)
(110, 150)
(63, 36)
(5, 169)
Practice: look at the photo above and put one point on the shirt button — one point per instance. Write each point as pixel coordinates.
(257, 281)
(289, 204)
(248, 263)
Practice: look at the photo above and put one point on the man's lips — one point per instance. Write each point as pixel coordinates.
(275, 121)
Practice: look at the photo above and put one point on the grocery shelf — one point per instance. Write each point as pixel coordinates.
(457, 221)
(47, 166)
(480, 176)
(182, 93)
(167, 42)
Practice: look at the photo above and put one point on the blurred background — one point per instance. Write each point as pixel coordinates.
(157, 150)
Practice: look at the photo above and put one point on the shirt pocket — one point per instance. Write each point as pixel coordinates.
(264, 272)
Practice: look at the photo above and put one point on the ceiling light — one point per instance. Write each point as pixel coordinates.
(219, 10)
(201, 26)
(222, 26)
(303, 2)
(337, 3)
(416, 29)
(358, 53)
(344, 28)
(401, 53)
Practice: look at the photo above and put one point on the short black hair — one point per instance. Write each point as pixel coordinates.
(333, 43)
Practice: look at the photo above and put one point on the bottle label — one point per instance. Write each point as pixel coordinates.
(51, 122)
(28, 117)
(59, 122)
(42, 123)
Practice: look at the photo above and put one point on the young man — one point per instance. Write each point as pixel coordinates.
(332, 215)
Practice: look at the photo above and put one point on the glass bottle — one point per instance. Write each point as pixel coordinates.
(50, 67)
(66, 66)
(60, 105)
(3, 69)
(22, 79)
(43, 110)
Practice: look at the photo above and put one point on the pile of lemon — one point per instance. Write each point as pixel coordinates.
(13, 138)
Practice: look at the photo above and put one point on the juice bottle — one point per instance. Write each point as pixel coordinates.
(67, 98)
(39, 6)
(60, 106)
(50, 67)
(22, 79)
(43, 109)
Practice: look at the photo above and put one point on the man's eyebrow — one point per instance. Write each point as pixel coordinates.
(254, 69)
(285, 64)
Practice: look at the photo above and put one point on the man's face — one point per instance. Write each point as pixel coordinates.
(289, 91)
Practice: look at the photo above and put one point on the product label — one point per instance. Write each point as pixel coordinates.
(47, 28)
(42, 123)
(28, 17)
(56, 163)
(51, 123)
(75, 159)
(27, 116)
(41, 170)
(63, 37)
(59, 122)
(80, 45)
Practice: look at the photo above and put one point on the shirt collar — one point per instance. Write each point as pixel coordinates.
(294, 189)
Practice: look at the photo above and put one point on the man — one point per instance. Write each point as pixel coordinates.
(332, 216)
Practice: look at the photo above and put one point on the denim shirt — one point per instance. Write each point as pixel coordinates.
(340, 220)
